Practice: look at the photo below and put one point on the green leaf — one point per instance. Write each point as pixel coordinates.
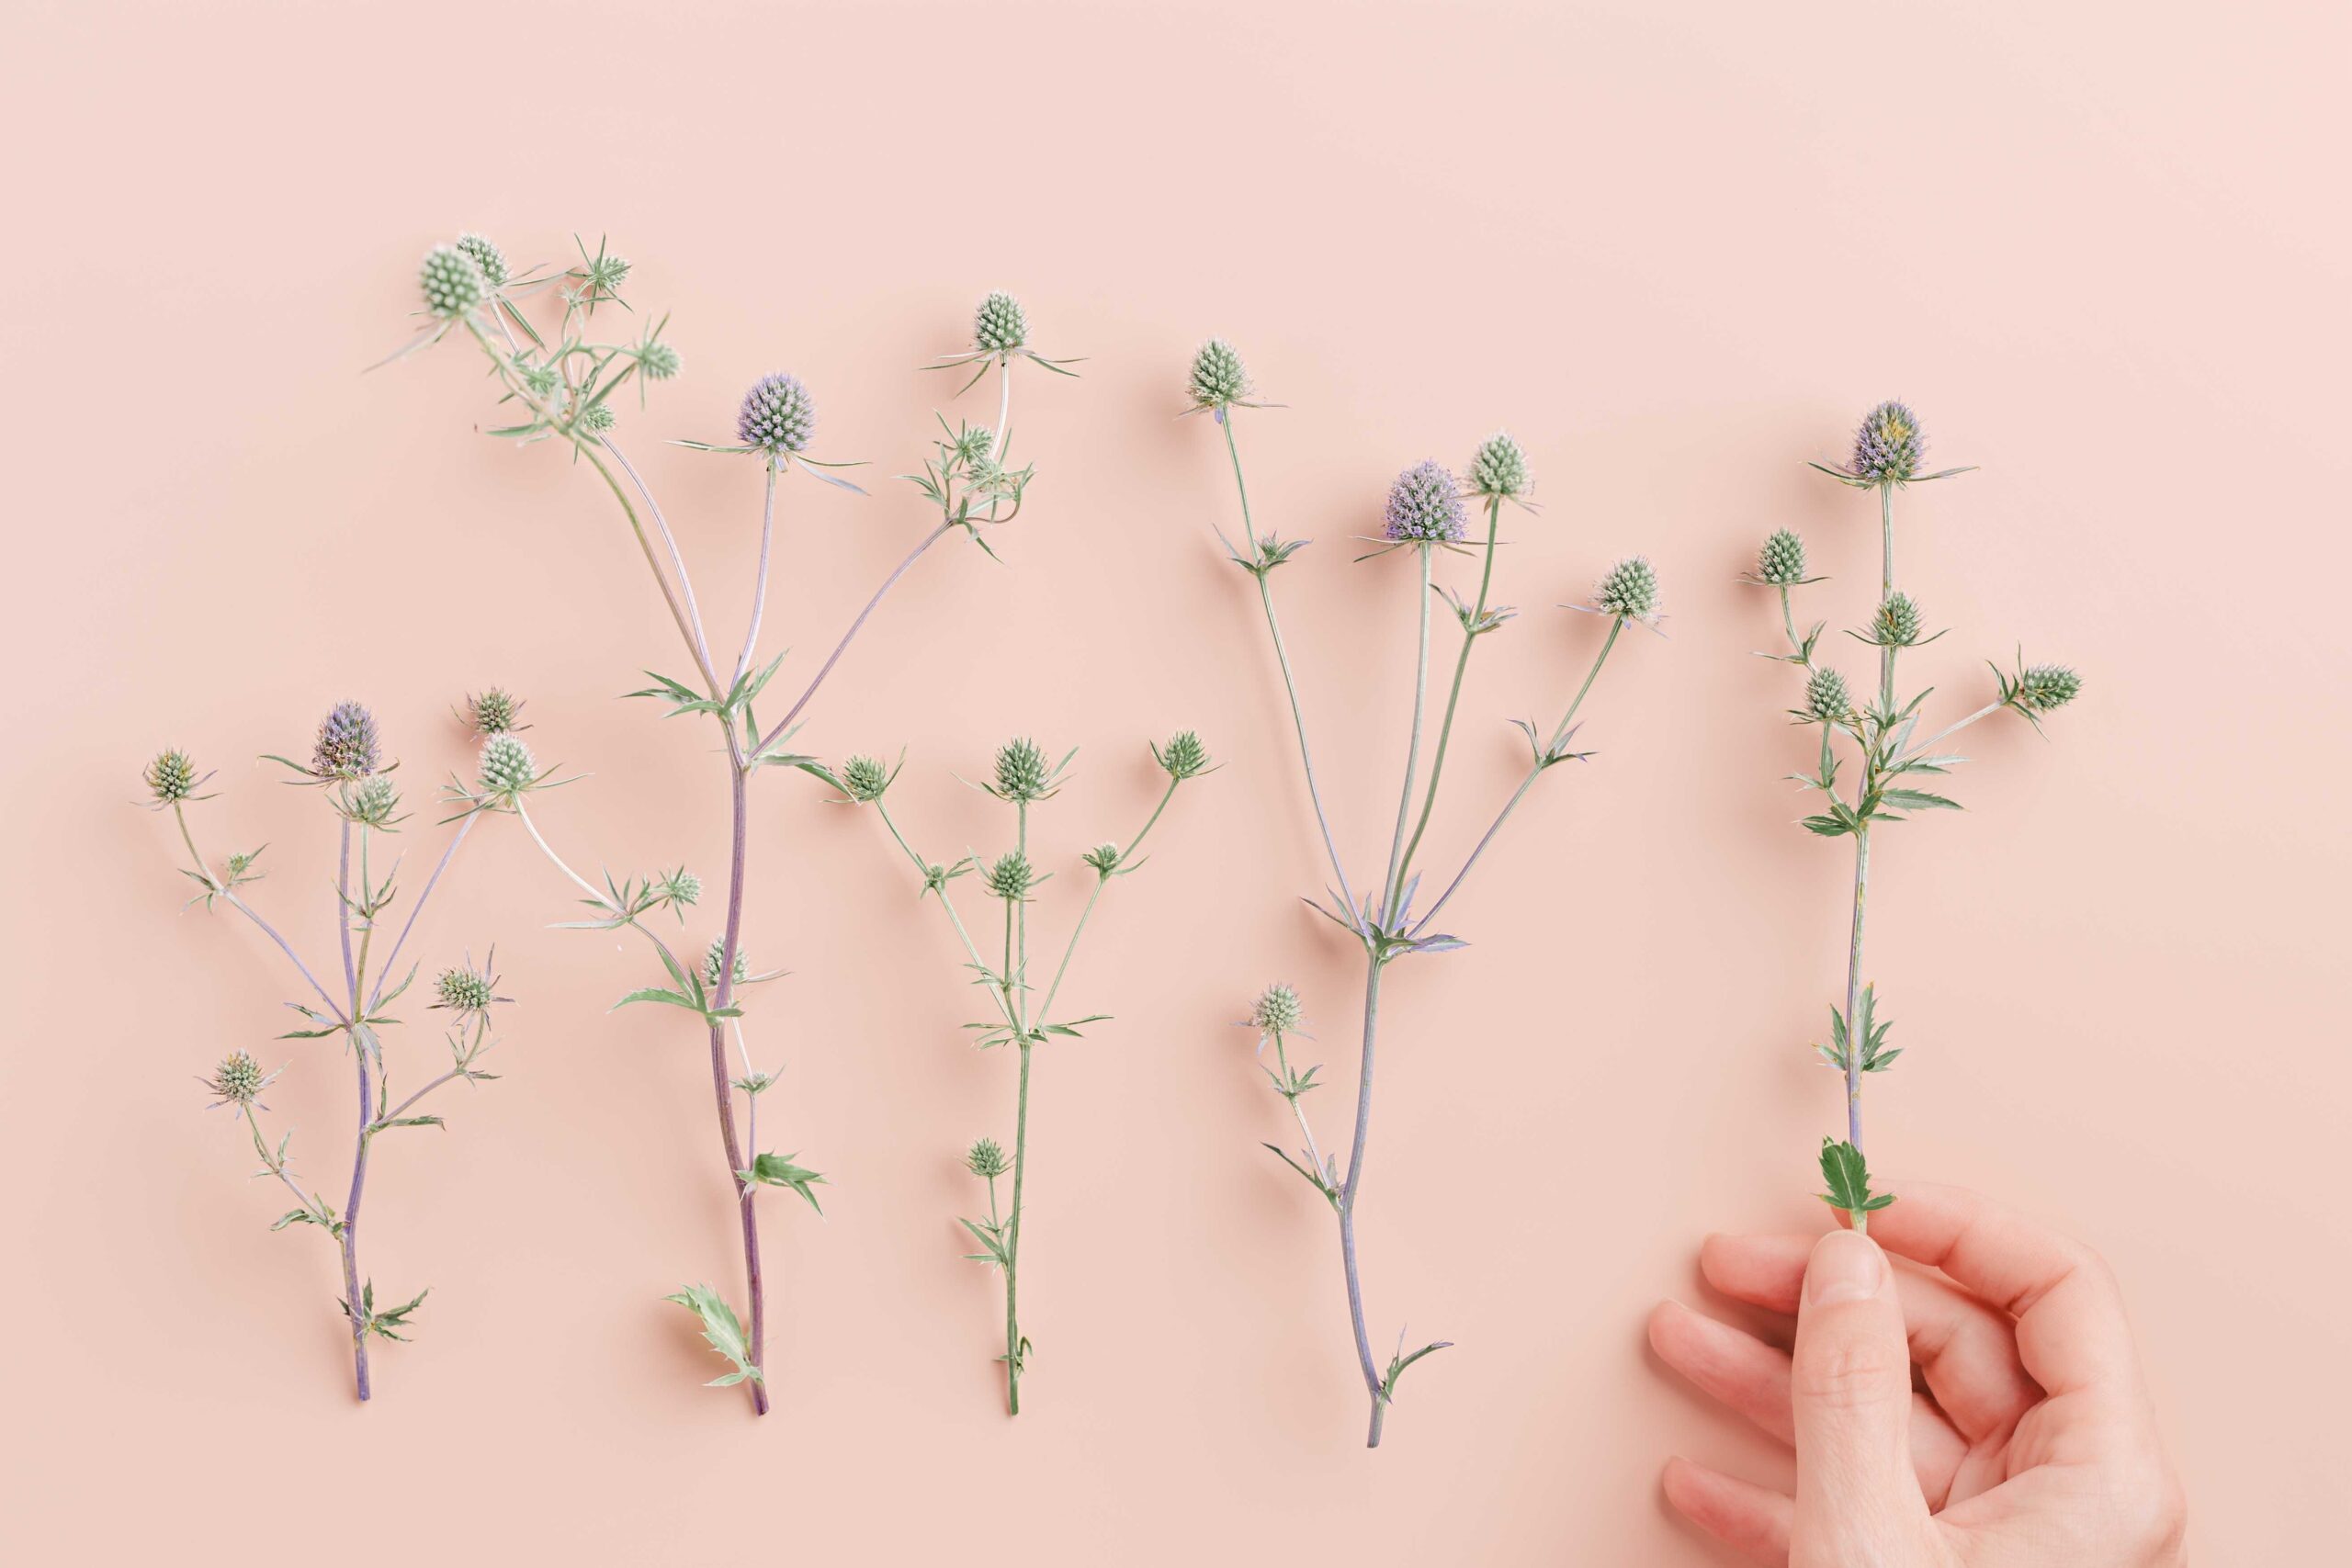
(655, 994)
(1917, 800)
(723, 1329)
(777, 1170)
(1847, 1177)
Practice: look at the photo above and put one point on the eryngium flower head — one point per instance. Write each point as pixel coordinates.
(1825, 698)
(507, 767)
(777, 416)
(865, 778)
(1781, 560)
(1896, 624)
(596, 419)
(1629, 591)
(1000, 325)
(492, 712)
(974, 446)
(986, 1158)
(1498, 468)
(1020, 770)
(1888, 447)
(1424, 507)
(1276, 1011)
(452, 281)
(718, 954)
(681, 886)
(369, 802)
(1183, 757)
(463, 991)
(346, 746)
(486, 256)
(2041, 688)
(1218, 378)
(238, 1080)
(658, 361)
(1010, 877)
(171, 777)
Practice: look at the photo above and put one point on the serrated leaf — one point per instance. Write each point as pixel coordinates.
(1847, 1177)
(723, 1329)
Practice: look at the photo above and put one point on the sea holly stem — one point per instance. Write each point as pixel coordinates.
(1471, 631)
(355, 971)
(1394, 884)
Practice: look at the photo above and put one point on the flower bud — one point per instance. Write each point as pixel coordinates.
(486, 256)
(171, 777)
(346, 746)
(494, 711)
(1498, 468)
(2042, 688)
(507, 768)
(658, 361)
(238, 1078)
(1000, 325)
(1888, 446)
(463, 991)
(369, 802)
(1825, 698)
(596, 419)
(1218, 378)
(1781, 560)
(777, 416)
(1629, 591)
(1010, 877)
(1183, 757)
(681, 886)
(865, 778)
(1424, 506)
(986, 1158)
(452, 281)
(711, 960)
(1276, 1011)
(1020, 770)
(1896, 624)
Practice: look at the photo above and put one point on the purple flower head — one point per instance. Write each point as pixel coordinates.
(1888, 447)
(346, 747)
(1425, 506)
(777, 416)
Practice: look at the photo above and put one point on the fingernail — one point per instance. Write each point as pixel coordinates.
(1844, 1268)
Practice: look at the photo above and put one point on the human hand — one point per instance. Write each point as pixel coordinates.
(2034, 1446)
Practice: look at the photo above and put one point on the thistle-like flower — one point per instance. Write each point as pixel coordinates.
(986, 1159)
(1628, 591)
(1276, 1011)
(452, 281)
(1781, 563)
(777, 416)
(2041, 688)
(657, 361)
(492, 712)
(465, 989)
(1827, 700)
(1000, 325)
(507, 769)
(973, 447)
(679, 889)
(486, 256)
(1183, 757)
(346, 747)
(171, 777)
(369, 803)
(1897, 622)
(1218, 378)
(718, 954)
(1498, 469)
(596, 419)
(1022, 772)
(1424, 507)
(1010, 877)
(865, 778)
(1102, 859)
(1888, 446)
(238, 1080)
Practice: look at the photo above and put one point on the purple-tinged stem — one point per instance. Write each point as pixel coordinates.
(843, 647)
(351, 1291)
(724, 1090)
(391, 959)
(1348, 1192)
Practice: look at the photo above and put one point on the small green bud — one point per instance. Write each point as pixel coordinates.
(1011, 878)
(2042, 688)
(1276, 1011)
(1020, 770)
(370, 801)
(452, 281)
(1102, 859)
(1218, 380)
(486, 256)
(681, 886)
(494, 711)
(238, 1080)
(1000, 325)
(974, 445)
(1896, 624)
(711, 960)
(507, 768)
(658, 361)
(986, 1158)
(1498, 468)
(463, 991)
(596, 419)
(1629, 592)
(1781, 560)
(171, 777)
(542, 381)
(865, 778)
(1827, 698)
(1183, 757)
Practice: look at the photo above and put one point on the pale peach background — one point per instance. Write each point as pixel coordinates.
(1677, 248)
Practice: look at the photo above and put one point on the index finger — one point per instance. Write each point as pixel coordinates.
(2072, 1333)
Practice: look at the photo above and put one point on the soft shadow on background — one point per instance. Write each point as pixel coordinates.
(1675, 250)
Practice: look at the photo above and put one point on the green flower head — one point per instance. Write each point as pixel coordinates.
(465, 990)
(1896, 623)
(679, 887)
(986, 1158)
(507, 768)
(1022, 770)
(1498, 469)
(2042, 688)
(1218, 380)
(368, 802)
(494, 711)
(1276, 1011)
(1000, 325)
(171, 777)
(1781, 563)
(238, 1080)
(596, 419)
(1183, 757)
(452, 281)
(1010, 877)
(658, 360)
(1629, 591)
(865, 778)
(486, 256)
(1827, 700)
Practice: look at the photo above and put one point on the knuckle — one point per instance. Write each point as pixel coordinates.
(1847, 1374)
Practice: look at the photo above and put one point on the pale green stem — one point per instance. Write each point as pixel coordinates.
(1000, 995)
(1453, 696)
(1046, 1012)
(1394, 882)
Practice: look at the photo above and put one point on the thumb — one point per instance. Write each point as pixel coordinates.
(1850, 1382)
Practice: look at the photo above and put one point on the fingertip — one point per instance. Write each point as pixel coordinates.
(1661, 1323)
